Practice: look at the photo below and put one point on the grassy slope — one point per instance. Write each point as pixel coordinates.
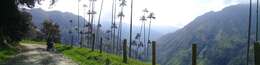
(6, 53)
(85, 56)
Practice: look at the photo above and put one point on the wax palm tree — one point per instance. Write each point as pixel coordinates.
(99, 25)
(91, 14)
(113, 25)
(249, 32)
(121, 15)
(150, 16)
(257, 7)
(78, 21)
(131, 25)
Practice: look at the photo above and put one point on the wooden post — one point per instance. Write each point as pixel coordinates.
(153, 53)
(194, 54)
(257, 53)
(124, 51)
(101, 43)
(93, 42)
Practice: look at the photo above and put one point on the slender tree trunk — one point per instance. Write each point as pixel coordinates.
(78, 25)
(112, 26)
(131, 25)
(89, 26)
(114, 40)
(92, 19)
(99, 25)
(149, 41)
(249, 33)
(257, 5)
(120, 29)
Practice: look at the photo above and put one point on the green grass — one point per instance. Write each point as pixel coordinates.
(32, 42)
(85, 56)
(6, 53)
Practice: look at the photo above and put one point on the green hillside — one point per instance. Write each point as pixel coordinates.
(85, 56)
(221, 37)
(6, 53)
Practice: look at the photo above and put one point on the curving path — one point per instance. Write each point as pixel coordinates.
(35, 54)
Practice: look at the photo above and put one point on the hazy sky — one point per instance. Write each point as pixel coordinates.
(174, 13)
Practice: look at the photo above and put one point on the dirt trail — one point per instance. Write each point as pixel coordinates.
(36, 54)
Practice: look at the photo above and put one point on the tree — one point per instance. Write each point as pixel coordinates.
(257, 23)
(51, 33)
(99, 24)
(131, 25)
(51, 29)
(121, 15)
(14, 23)
(150, 16)
(249, 32)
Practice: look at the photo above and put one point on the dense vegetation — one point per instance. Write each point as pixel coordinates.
(6, 53)
(220, 36)
(85, 56)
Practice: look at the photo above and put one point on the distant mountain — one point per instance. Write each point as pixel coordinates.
(220, 37)
(62, 18)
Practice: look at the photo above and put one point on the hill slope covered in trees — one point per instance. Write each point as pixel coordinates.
(220, 37)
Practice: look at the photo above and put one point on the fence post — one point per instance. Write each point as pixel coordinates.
(124, 51)
(153, 53)
(257, 53)
(101, 43)
(194, 54)
(93, 41)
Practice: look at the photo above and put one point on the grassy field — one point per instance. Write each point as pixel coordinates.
(6, 53)
(32, 42)
(85, 56)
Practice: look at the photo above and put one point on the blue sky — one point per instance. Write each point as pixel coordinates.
(169, 13)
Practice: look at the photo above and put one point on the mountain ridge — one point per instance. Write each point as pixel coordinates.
(220, 36)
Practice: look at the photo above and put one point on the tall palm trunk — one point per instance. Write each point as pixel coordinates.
(149, 41)
(149, 31)
(99, 25)
(84, 26)
(114, 40)
(119, 33)
(92, 22)
(257, 4)
(249, 33)
(131, 25)
(89, 19)
(78, 38)
(121, 15)
(112, 26)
